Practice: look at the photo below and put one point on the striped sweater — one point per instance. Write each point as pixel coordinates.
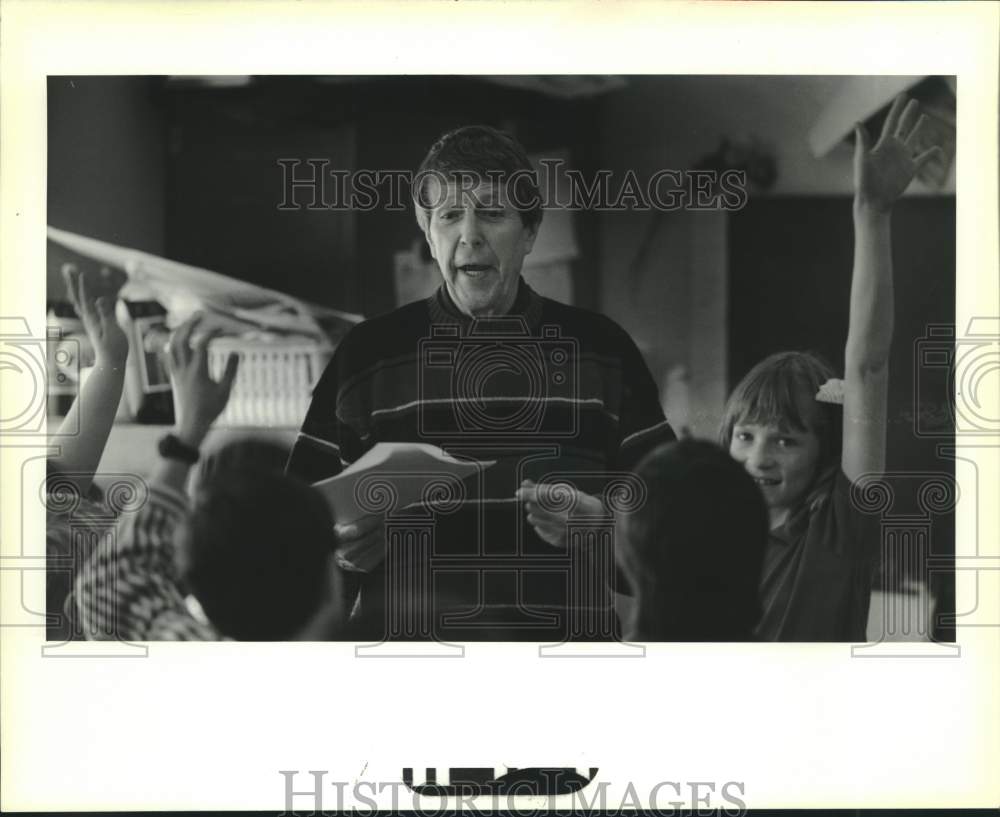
(548, 391)
(428, 373)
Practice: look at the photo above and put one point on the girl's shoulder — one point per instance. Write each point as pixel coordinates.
(827, 484)
(819, 499)
(831, 518)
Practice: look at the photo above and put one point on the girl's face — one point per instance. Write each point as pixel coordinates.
(783, 463)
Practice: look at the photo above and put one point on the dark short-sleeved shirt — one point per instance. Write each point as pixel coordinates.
(817, 578)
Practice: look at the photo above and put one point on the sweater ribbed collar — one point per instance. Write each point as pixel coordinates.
(527, 304)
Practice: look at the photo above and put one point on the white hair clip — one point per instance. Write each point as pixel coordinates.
(831, 392)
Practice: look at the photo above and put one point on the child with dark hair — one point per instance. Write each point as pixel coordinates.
(806, 438)
(255, 553)
(252, 547)
(692, 553)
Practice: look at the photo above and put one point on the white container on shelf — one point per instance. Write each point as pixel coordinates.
(274, 381)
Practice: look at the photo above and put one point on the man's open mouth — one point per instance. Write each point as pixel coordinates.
(474, 270)
(766, 482)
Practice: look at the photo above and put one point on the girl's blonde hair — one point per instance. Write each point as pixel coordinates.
(781, 391)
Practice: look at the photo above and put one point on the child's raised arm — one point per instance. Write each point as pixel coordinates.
(198, 398)
(94, 409)
(881, 174)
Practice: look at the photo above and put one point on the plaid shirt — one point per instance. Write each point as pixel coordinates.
(69, 528)
(128, 590)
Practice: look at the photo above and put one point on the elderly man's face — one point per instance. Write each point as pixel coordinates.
(479, 242)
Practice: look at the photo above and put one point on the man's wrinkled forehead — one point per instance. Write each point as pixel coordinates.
(464, 189)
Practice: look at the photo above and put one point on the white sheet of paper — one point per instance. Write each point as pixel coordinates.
(393, 460)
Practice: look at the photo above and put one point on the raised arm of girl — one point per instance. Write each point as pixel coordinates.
(881, 174)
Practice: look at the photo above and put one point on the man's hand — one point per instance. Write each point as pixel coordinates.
(882, 173)
(551, 525)
(94, 300)
(198, 399)
(360, 545)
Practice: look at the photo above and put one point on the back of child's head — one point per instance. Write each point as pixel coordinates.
(239, 455)
(781, 391)
(694, 551)
(256, 547)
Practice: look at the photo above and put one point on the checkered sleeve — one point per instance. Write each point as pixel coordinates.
(128, 588)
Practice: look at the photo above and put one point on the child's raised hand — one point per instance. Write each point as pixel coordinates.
(882, 173)
(198, 399)
(94, 301)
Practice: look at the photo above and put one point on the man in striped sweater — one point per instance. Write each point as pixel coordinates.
(486, 369)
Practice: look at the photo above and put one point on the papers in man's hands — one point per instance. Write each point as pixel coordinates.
(413, 469)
